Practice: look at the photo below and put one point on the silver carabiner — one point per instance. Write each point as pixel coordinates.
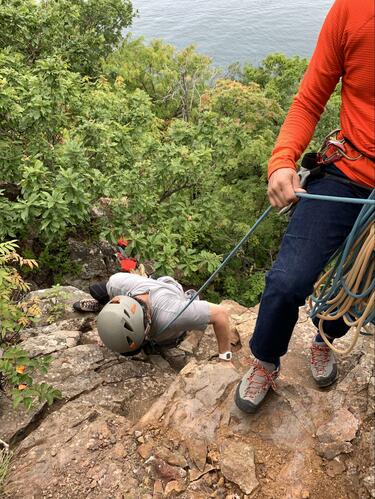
(303, 174)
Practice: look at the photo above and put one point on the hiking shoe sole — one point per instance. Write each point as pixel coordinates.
(324, 382)
(79, 306)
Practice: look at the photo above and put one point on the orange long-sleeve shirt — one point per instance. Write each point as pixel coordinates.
(345, 49)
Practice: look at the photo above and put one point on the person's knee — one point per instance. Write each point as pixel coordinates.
(293, 286)
(218, 314)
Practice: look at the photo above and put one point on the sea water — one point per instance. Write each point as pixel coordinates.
(234, 30)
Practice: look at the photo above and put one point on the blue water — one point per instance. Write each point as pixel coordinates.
(234, 30)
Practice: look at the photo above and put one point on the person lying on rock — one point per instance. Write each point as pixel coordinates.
(134, 310)
(345, 51)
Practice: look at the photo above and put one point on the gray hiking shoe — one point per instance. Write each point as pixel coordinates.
(323, 364)
(253, 388)
(88, 305)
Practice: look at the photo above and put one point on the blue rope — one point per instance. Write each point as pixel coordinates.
(338, 199)
(223, 263)
(341, 263)
(369, 204)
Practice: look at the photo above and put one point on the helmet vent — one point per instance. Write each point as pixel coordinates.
(126, 313)
(128, 326)
(129, 340)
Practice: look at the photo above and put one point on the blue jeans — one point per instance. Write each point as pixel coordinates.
(315, 231)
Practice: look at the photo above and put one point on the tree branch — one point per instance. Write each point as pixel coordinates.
(168, 193)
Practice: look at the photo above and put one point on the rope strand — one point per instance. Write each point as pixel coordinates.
(347, 289)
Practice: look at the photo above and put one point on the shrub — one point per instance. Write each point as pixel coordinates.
(16, 367)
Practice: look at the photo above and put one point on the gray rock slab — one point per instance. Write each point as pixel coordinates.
(106, 398)
(74, 434)
(14, 422)
(342, 428)
(45, 344)
(237, 464)
(86, 445)
(191, 342)
(192, 404)
(55, 304)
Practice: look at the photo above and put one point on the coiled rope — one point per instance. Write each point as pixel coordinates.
(347, 289)
(359, 285)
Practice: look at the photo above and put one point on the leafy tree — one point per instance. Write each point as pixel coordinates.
(279, 76)
(62, 138)
(175, 80)
(181, 155)
(197, 192)
(82, 32)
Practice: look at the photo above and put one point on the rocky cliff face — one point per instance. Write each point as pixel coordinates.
(167, 426)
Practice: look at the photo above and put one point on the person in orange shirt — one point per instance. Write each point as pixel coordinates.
(346, 50)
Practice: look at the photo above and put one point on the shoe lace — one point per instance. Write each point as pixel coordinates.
(320, 355)
(260, 379)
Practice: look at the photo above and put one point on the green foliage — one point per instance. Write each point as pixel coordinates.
(25, 390)
(62, 141)
(279, 76)
(15, 365)
(10, 282)
(246, 103)
(180, 154)
(81, 32)
(175, 80)
(249, 287)
(201, 186)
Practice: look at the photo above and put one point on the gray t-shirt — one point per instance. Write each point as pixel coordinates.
(167, 299)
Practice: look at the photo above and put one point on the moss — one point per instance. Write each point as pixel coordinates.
(56, 292)
(56, 306)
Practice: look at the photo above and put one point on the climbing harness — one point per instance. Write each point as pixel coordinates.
(351, 250)
(314, 164)
(347, 289)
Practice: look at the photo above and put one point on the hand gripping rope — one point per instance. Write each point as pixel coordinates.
(347, 289)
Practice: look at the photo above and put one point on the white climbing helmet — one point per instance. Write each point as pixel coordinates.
(121, 325)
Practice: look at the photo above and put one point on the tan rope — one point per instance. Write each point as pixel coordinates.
(343, 304)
